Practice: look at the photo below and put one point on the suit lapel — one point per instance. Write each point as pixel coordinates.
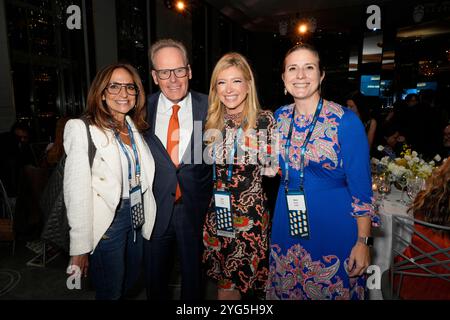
(108, 150)
(153, 110)
(196, 116)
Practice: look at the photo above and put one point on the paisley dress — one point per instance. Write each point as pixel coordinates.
(337, 184)
(242, 262)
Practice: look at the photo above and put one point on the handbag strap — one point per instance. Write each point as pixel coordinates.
(91, 146)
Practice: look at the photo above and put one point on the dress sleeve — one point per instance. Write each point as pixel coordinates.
(78, 188)
(356, 164)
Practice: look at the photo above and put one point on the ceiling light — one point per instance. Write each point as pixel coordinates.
(180, 5)
(302, 28)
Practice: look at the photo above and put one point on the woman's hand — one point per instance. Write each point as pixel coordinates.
(80, 261)
(269, 171)
(359, 260)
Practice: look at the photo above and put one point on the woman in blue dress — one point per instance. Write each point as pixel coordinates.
(320, 240)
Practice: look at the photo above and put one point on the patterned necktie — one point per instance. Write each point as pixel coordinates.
(173, 141)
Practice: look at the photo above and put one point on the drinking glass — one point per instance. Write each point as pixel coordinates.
(413, 186)
(402, 181)
(384, 186)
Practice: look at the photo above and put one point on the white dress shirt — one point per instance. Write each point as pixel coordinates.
(163, 114)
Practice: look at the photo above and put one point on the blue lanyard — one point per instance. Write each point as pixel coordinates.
(231, 158)
(133, 146)
(302, 148)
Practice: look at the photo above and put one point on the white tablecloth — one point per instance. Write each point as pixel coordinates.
(382, 249)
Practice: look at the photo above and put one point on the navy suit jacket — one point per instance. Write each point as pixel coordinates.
(195, 179)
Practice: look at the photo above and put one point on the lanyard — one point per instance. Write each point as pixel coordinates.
(231, 158)
(302, 148)
(133, 146)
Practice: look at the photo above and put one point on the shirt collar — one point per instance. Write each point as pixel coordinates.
(165, 105)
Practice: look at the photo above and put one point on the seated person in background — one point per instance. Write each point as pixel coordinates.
(16, 155)
(358, 104)
(445, 152)
(431, 205)
(393, 141)
(55, 150)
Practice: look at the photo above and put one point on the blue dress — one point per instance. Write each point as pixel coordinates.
(337, 184)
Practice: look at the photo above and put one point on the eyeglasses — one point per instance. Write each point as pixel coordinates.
(114, 88)
(178, 72)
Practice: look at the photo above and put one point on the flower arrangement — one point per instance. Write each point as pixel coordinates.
(409, 164)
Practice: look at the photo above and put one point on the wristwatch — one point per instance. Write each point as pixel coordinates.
(368, 241)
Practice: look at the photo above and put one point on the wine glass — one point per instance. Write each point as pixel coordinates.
(402, 181)
(413, 186)
(384, 186)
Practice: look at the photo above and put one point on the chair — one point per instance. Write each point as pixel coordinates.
(6, 219)
(430, 261)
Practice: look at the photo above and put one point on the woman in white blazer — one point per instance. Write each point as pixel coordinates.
(111, 206)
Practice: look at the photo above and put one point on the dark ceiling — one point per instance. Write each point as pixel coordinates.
(331, 15)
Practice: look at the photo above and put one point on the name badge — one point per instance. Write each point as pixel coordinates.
(136, 207)
(297, 214)
(224, 215)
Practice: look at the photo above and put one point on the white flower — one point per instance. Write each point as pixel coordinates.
(374, 161)
(425, 171)
(409, 165)
(437, 158)
(385, 160)
(380, 148)
(397, 171)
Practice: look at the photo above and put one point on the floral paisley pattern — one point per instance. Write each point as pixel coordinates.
(337, 185)
(241, 263)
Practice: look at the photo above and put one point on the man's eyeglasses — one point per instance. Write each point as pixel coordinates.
(114, 88)
(164, 74)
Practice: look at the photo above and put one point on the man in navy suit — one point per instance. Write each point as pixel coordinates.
(183, 182)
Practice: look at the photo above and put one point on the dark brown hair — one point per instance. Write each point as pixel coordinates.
(434, 202)
(97, 112)
(303, 46)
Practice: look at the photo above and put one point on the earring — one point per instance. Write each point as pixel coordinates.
(285, 91)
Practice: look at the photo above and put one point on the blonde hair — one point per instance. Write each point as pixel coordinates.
(216, 110)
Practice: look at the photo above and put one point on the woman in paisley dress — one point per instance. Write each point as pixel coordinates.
(239, 263)
(330, 262)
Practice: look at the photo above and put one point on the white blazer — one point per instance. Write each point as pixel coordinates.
(91, 198)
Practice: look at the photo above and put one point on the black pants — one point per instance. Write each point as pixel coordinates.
(159, 256)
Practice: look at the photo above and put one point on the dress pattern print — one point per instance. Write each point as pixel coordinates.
(241, 262)
(337, 184)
